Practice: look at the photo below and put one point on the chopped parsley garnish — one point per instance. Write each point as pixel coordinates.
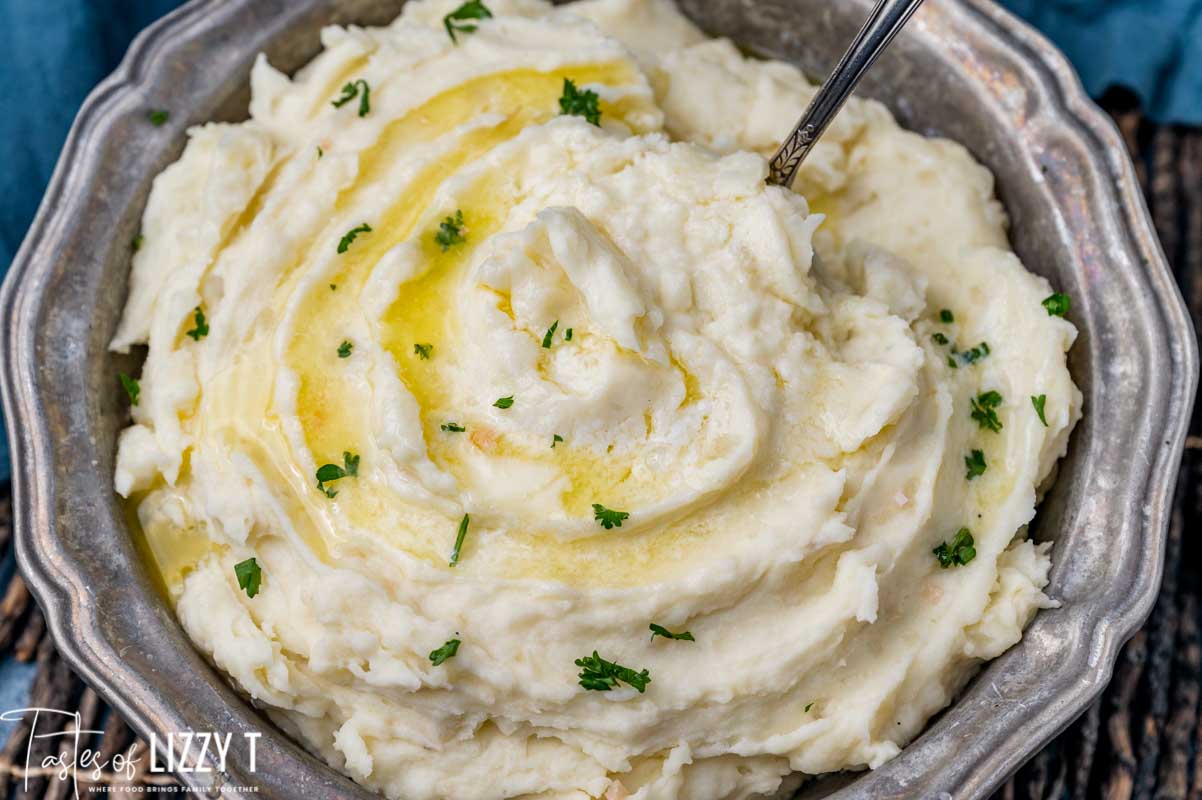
(951, 362)
(946, 316)
(958, 552)
(1036, 400)
(567, 335)
(556, 439)
(504, 402)
(975, 463)
(550, 334)
(939, 338)
(448, 650)
(132, 387)
(352, 90)
(608, 518)
(660, 630)
(808, 707)
(344, 349)
(453, 427)
(423, 351)
(579, 104)
(320, 152)
(459, 537)
(451, 231)
(1057, 304)
(328, 473)
(454, 22)
(202, 328)
(599, 675)
(351, 235)
(250, 576)
(136, 244)
(333, 287)
(975, 354)
(984, 411)
(158, 117)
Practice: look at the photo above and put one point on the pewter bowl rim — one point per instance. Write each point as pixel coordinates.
(63, 583)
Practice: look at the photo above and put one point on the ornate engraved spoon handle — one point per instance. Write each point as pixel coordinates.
(887, 18)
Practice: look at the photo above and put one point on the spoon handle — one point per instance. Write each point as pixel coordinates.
(887, 18)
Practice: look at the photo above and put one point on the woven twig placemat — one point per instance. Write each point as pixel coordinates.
(1139, 740)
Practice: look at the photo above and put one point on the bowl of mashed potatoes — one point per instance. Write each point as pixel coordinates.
(478, 423)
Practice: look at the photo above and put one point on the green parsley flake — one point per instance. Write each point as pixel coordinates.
(567, 335)
(939, 338)
(202, 328)
(504, 402)
(580, 104)
(344, 349)
(352, 90)
(556, 439)
(136, 244)
(132, 387)
(975, 354)
(454, 22)
(958, 552)
(975, 463)
(320, 152)
(549, 335)
(946, 316)
(453, 427)
(599, 675)
(328, 473)
(158, 117)
(459, 537)
(660, 630)
(351, 235)
(951, 362)
(250, 576)
(1057, 304)
(448, 650)
(808, 707)
(423, 351)
(1039, 401)
(608, 518)
(333, 287)
(983, 410)
(451, 231)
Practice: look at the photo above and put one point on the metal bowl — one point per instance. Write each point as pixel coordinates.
(966, 70)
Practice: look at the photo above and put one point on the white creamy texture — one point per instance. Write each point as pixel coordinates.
(751, 376)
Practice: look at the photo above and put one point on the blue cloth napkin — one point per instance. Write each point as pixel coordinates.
(57, 50)
(1153, 47)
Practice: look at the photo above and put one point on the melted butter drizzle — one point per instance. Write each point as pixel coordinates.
(422, 313)
(522, 98)
(332, 416)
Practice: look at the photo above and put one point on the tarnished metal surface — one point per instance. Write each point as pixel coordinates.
(961, 69)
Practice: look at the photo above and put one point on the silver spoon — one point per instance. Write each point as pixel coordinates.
(886, 19)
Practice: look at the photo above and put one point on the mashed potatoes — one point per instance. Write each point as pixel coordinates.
(463, 380)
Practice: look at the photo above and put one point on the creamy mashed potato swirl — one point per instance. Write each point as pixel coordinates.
(646, 388)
